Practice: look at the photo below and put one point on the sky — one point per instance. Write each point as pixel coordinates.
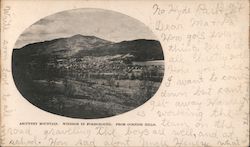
(105, 24)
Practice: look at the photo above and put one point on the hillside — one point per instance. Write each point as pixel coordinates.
(141, 50)
(79, 46)
(62, 47)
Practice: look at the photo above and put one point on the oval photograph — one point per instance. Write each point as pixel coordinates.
(87, 63)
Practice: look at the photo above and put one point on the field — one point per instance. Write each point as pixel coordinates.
(79, 99)
(74, 93)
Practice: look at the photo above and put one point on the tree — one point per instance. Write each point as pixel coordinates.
(117, 84)
(68, 88)
(132, 76)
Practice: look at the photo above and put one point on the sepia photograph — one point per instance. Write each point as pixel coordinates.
(87, 63)
(124, 73)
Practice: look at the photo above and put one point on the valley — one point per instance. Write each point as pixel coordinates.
(92, 82)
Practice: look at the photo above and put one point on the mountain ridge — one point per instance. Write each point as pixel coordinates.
(79, 46)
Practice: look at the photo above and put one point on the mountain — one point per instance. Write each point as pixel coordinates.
(63, 47)
(141, 50)
(79, 46)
